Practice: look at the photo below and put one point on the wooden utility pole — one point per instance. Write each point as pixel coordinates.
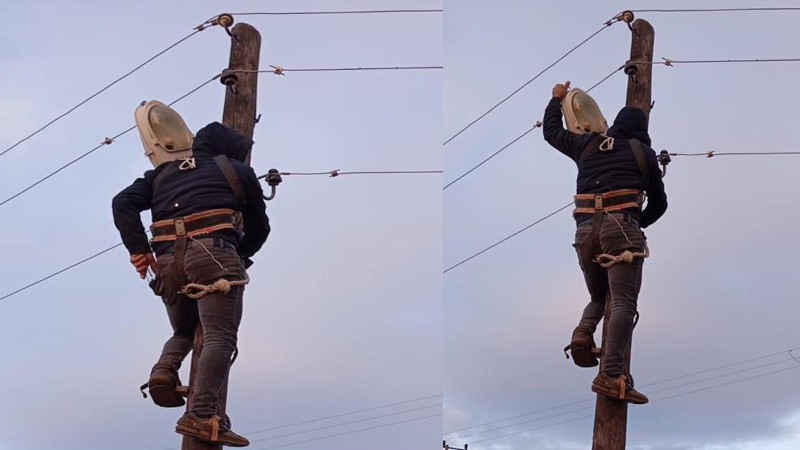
(611, 416)
(239, 113)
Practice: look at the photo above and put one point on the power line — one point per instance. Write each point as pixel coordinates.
(60, 271)
(278, 70)
(353, 431)
(538, 419)
(606, 25)
(337, 172)
(330, 174)
(711, 10)
(84, 101)
(295, 433)
(794, 367)
(713, 153)
(537, 125)
(318, 13)
(107, 141)
(713, 369)
(509, 237)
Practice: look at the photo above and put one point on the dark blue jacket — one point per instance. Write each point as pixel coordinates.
(601, 172)
(184, 192)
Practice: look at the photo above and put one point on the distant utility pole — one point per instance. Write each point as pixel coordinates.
(447, 447)
(611, 416)
(239, 114)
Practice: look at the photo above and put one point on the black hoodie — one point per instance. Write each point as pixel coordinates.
(184, 192)
(601, 172)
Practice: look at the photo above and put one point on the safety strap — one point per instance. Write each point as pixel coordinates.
(233, 178)
(170, 168)
(593, 145)
(638, 152)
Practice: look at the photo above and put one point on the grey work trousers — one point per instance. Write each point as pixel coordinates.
(622, 280)
(206, 261)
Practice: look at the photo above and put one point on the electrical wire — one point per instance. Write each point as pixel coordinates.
(606, 25)
(794, 367)
(337, 172)
(537, 125)
(272, 438)
(713, 369)
(60, 271)
(330, 174)
(107, 141)
(509, 237)
(713, 153)
(318, 13)
(280, 70)
(353, 431)
(404, 402)
(84, 101)
(711, 10)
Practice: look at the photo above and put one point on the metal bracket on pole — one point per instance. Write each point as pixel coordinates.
(664, 159)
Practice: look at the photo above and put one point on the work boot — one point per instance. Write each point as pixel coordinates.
(208, 430)
(582, 347)
(163, 384)
(620, 388)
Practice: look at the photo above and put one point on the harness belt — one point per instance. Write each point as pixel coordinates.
(195, 224)
(600, 204)
(609, 201)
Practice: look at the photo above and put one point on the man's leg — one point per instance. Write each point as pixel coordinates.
(625, 280)
(220, 315)
(596, 280)
(182, 312)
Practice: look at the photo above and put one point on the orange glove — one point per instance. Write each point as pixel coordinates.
(142, 262)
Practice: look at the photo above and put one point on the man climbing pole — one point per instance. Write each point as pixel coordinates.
(209, 219)
(616, 168)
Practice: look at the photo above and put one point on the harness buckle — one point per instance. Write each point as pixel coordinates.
(598, 202)
(180, 227)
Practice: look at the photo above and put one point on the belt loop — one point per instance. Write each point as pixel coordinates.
(598, 202)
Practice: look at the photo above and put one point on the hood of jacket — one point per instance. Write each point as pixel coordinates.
(217, 139)
(631, 123)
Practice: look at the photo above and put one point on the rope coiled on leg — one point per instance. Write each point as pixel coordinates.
(627, 257)
(221, 285)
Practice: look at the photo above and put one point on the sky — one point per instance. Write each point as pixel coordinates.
(720, 285)
(344, 309)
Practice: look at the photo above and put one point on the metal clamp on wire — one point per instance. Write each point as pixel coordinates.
(273, 179)
(631, 69)
(229, 79)
(664, 159)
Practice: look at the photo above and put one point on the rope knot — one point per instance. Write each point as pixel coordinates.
(197, 290)
(605, 260)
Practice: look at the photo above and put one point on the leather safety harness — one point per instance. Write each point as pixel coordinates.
(183, 228)
(600, 204)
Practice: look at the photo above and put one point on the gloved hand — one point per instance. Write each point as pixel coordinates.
(144, 261)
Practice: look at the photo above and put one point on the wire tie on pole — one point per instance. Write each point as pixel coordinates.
(108, 141)
(334, 173)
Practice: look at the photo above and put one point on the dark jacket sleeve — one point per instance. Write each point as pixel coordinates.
(565, 141)
(256, 222)
(127, 205)
(656, 196)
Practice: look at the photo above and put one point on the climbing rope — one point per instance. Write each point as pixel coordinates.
(627, 257)
(221, 285)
